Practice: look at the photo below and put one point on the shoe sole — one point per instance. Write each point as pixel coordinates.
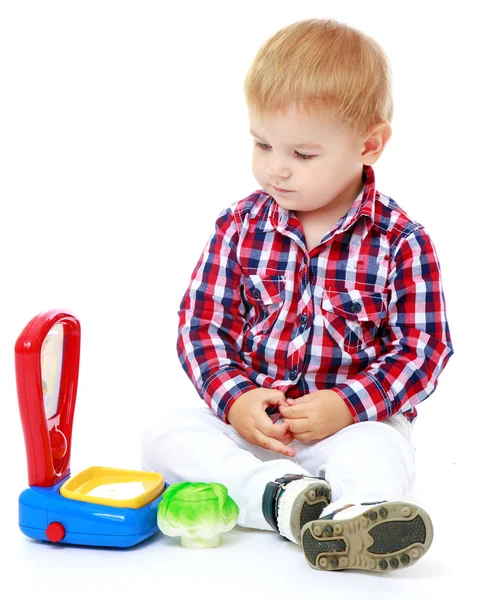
(387, 537)
(308, 506)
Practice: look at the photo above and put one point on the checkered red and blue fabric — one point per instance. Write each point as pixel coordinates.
(362, 314)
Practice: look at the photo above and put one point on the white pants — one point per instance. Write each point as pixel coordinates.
(365, 462)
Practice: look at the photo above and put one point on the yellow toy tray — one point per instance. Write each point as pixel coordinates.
(114, 487)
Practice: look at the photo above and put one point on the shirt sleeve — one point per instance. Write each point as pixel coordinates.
(211, 314)
(417, 341)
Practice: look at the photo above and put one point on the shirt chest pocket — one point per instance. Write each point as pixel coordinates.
(264, 297)
(353, 317)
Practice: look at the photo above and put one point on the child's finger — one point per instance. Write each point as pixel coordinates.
(275, 430)
(304, 437)
(293, 412)
(274, 398)
(283, 402)
(296, 401)
(272, 444)
(297, 426)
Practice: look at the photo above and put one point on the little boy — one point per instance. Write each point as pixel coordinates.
(315, 318)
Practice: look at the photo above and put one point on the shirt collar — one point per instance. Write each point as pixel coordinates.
(364, 205)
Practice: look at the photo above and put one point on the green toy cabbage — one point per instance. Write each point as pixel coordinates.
(197, 512)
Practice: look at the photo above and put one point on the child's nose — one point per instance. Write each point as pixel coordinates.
(277, 168)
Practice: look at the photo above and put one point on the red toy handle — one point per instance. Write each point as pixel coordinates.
(47, 438)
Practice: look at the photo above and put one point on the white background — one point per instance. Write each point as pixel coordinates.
(123, 133)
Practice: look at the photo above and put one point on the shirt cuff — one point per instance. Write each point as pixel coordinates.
(222, 389)
(365, 397)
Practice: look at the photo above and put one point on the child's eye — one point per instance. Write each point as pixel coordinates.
(298, 154)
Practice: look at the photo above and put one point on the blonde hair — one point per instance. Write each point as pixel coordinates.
(322, 67)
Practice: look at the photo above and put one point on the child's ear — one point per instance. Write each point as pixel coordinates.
(375, 142)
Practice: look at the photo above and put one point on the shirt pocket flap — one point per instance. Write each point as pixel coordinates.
(356, 305)
(265, 289)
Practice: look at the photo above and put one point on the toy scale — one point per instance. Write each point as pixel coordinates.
(99, 506)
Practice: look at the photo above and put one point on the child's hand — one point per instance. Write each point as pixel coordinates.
(316, 416)
(248, 417)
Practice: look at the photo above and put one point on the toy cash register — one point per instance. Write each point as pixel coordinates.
(99, 506)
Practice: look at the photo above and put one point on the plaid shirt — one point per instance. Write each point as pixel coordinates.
(363, 313)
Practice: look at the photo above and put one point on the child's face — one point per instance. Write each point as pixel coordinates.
(333, 174)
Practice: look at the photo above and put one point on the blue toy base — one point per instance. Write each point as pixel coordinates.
(85, 523)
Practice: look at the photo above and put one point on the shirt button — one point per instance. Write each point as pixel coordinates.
(293, 373)
(303, 319)
(256, 293)
(356, 307)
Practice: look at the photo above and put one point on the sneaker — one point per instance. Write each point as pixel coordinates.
(292, 501)
(385, 537)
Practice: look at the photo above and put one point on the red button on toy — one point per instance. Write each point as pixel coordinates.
(55, 532)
